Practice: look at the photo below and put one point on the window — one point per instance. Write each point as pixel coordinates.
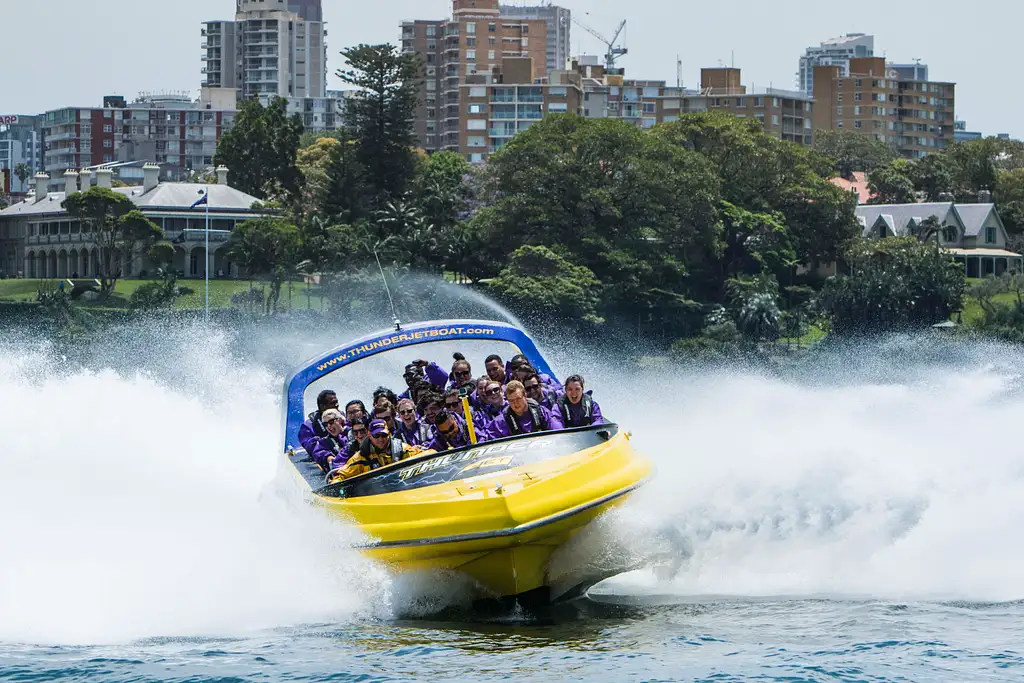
(476, 124)
(476, 158)
(857, 83)
(470, 55)
(431, 30)
(839, 99)
(856, 124)
(476, 109)
(470, 28)
(758, 101)
(856, 96)
(107, 128)
(650, 107)
(476, 141)
(775, 119)
(990, 235)
(492, 28)
(108, 143)
(949, 235)
(490, 54)
(558, 107)
(478, 92)
(107, 114)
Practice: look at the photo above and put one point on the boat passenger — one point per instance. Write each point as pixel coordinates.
(453, 404)
(578, 409)
(384, 410)
(421, 371)
(522, 416)
(520, 360)
(495, 367)
(462, 372)
(313, 428)
(354, 410)
(411, 429)
(381, 393)
(537, 391)
(379, 450)
(430, 406)
(450, 433)
(332, 450)
(493, 400)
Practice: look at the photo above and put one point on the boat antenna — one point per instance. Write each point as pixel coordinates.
(394, 316)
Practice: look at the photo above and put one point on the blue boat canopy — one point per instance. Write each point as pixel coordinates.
(388, 340)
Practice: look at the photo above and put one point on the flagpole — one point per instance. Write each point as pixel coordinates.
(207, 269)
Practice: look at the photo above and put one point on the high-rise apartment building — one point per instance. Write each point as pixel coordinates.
(475, 40)
(915, 117)
(504, 103)
(834, 52)
(558, 21)
(173, 131)
(268, 50)
(21, 142)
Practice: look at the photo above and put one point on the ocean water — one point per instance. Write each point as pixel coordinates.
(854, 517)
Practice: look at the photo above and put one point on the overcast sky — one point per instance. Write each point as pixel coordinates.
(72, 52)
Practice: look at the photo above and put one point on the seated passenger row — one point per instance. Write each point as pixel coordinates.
(430, 415)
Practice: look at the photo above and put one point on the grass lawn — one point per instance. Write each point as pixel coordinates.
(221, 292)
(814, 335)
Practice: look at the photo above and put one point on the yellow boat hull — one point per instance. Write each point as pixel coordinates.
(502, 528)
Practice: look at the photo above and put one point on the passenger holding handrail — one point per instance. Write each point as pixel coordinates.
(332, 450)
(451, 433)
(378, 450)
(313, 428)
(411, 429)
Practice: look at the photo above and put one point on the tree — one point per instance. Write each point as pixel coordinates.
(932, 175)
(1009, 197)
(631, 207)
(379, 116)
(261, 148)
(22, 172)
(312, 162)
(975, 164)
(266, 248)
(542, 284)
(891, 184)
(895, 283)
(121, 232)
(347, 196)
(852, 152)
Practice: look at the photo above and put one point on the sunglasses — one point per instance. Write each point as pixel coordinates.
(451, 429)
(463, 373)
(453, 404)
(359, 432)
(408, 411)
(492, 392)
(531, 387)
(331, 421)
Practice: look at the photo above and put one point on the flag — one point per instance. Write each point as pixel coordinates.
(205, 199)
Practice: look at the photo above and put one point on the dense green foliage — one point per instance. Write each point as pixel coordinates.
(852, 152)
(266, 249)
(894, 283)
(539, 282)
(260, 150)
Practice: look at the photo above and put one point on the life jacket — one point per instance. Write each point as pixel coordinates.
(422, 433)
(586, 404)
(318, 425)
(540, 423)
(375, 459)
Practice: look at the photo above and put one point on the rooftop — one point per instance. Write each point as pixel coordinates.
(165, 196)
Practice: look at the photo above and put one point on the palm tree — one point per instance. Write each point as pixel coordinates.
(22, 172)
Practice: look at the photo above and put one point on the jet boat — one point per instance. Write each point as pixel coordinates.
(496, 511)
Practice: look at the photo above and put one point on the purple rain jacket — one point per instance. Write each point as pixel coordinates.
(328, 446)
(441, 443)
(574, 414)
(311, 430)
(501, 428)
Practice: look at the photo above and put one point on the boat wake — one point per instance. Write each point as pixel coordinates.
(139, 493)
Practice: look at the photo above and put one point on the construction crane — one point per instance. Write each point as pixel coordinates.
(614, 51)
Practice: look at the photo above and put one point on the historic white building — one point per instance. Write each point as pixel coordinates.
(38, 239)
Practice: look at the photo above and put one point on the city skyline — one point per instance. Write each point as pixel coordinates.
(767, 45)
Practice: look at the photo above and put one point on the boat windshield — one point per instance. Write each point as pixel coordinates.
(360, 379)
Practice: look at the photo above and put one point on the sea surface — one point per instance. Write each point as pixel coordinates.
(856, 515)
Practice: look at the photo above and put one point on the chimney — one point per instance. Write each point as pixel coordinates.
(42, 186)
(104, 177)
(984, 196)
(222, 175)
(86, 179)
(150, 177)
(70, 182)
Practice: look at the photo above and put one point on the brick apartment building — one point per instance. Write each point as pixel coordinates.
(475, 40)
(916, 117)
(170, 130)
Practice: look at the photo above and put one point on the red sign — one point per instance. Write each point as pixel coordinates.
(8, 119)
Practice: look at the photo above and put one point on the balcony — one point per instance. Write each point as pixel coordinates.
(501, 133)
